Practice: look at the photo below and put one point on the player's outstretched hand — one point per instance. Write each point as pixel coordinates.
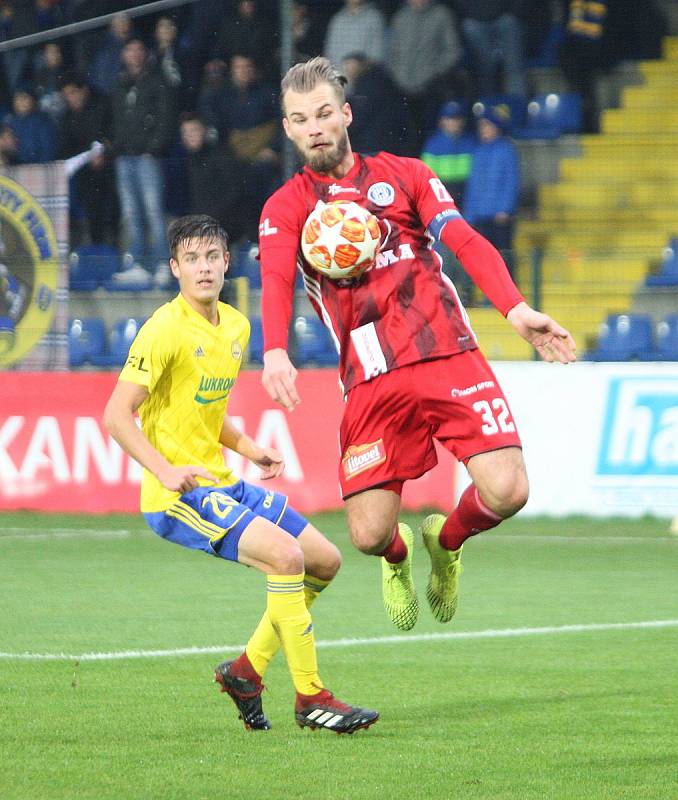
(271, 463)
(183, 479)
(550, 340)
(279, 377)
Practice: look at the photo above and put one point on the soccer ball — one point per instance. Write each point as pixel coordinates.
(340, 240)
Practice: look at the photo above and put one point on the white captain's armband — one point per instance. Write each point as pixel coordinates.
(436, 225)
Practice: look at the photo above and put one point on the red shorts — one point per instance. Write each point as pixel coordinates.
(390, 423)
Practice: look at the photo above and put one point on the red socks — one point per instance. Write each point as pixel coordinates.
(242, 667)
(396, 551)
(471, 516)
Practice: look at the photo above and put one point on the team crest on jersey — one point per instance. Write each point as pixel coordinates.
(359, 457)
(381, 194)
(236, 350)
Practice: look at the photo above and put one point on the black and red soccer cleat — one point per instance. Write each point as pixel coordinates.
(323, 710)
(246, 694)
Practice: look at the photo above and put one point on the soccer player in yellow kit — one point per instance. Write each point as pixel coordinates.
(179, 374)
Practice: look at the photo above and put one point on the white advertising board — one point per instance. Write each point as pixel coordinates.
(599, 439)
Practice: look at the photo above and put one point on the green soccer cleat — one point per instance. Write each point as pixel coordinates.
(442, 591)
(400, 597)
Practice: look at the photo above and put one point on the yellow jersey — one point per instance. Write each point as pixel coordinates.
(189, 367)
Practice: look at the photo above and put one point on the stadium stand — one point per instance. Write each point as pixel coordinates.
(551, 115)
(119, 340)
(86, 341)
(668, 273)
(667, 339)
(91, 266)
(256, 344)
(625, 337)
(313, 342)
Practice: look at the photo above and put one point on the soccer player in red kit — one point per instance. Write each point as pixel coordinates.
(408, 358)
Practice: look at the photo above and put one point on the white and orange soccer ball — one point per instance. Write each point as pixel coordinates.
(340, 240)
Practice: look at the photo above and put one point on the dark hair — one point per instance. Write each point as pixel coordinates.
(192, 116)
(195, 226)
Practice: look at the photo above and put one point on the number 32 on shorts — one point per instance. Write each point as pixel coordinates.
(495, 415)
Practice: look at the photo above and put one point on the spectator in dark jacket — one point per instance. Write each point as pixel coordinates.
(33, 129)
(380, 120)
(88, 119)
(215, 178)
(106, 64)
(144, 127)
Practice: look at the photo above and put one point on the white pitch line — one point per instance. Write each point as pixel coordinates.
(400, 640)
(61, 533)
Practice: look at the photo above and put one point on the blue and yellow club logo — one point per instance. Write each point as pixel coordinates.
(29, 268)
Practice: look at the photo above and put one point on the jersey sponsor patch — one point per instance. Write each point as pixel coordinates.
(266, 229)
(439, 190)
(359, 457)
(381, 194)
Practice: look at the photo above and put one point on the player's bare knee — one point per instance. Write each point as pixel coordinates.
(370, 540)
(289, 559)
(329, 565)
(509, 501)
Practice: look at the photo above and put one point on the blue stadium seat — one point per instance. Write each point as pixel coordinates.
(314, 343)
(551, 115)
(119, 341)
(256, 344)
(92, 265)
(668, 274)
(86, 341)
(667, 339)
(514, 102)
(246, 265)
(625, 337)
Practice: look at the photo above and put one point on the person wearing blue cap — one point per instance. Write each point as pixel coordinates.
(449, 150)
(493, 186)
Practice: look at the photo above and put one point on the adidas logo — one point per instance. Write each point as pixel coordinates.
(308, 630)
(199, 352)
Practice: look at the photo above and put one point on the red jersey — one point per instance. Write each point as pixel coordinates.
(402, 311)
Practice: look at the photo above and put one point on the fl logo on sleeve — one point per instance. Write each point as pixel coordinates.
(29, 268)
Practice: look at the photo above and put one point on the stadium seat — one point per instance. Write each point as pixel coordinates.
(256, 344)
(245, 264)
(86, 341)
(551, 115)
(91, 266)
(667, 339)
(314, 343)
(625, 337)
(668, 274)
(121, 337)
(514, 102)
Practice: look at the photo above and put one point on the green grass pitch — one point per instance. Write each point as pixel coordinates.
(548, 713)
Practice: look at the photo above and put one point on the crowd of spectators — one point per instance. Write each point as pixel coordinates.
(186, 104)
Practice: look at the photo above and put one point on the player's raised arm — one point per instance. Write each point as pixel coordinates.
(121, 424)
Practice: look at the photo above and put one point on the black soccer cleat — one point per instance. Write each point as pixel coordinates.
(246, 695)
(323, 710)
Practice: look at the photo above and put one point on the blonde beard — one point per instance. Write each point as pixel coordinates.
(326, 162)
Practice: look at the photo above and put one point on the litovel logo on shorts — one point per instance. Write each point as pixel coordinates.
(360, 457)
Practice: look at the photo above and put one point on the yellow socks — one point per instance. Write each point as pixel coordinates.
(287, 621)
(264, 642)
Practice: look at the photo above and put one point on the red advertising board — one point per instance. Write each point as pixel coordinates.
(55, 454)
